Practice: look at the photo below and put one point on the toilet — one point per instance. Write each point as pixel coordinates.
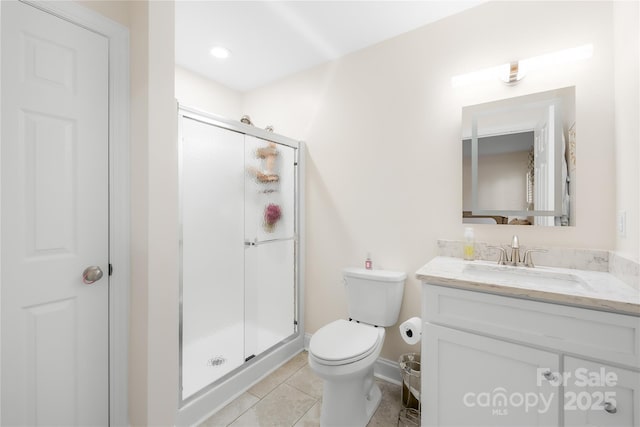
(343, 352)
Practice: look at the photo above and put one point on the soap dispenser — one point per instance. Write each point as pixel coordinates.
(469, 244)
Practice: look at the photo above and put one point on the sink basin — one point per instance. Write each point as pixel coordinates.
(538, 276)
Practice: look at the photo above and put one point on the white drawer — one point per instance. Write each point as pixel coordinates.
(595, 334)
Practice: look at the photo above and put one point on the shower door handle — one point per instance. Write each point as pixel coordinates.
(257, 242)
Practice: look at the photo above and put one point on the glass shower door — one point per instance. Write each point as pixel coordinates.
(269, 244)
(212, 253)
(237, 250)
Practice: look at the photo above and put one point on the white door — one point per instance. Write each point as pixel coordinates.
(54, 212)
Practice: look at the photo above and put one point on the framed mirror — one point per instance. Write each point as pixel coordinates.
(518, 160)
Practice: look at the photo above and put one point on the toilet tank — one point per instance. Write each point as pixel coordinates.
(374, 296)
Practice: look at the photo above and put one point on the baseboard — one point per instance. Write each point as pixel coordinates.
(307, 338)
(385, 369)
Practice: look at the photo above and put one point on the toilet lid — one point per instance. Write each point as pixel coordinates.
(344, 341)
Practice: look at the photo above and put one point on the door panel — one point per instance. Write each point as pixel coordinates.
(50, 147)
(269, 301)
(471, 380)
(54, 174)
(49, 331)
(269, 255)
(212, 185)
(591, 385)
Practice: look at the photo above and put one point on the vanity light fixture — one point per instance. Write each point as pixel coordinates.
(514, 75)
(220, 52)
(514, 71)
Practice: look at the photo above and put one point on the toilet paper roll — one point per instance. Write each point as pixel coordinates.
(411, 330)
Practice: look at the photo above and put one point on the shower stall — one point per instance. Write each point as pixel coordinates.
(240, 249)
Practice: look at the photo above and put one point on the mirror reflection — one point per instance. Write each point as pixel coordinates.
(518, 160)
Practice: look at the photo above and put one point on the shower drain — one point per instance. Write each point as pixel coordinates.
(216, 361)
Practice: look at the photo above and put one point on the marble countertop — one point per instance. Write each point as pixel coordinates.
(581, 288)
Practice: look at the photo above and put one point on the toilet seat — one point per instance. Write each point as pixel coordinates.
(343, 342)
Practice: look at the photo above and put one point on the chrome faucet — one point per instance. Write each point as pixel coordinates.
(514, 259)
(515, 251)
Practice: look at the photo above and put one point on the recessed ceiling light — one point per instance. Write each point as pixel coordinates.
(220, 52)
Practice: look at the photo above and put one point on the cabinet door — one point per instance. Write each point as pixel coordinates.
(471, 380)
(597, 394)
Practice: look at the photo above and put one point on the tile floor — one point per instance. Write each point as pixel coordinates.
(292, 396)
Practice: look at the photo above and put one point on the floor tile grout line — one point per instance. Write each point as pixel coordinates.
(303, 415)
(279, 383)
(276, 387)
(288, 377)
(312, 397)
(243, 412)
(254, 395)
(303, 392)
(295, 372)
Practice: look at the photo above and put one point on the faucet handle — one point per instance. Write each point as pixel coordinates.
(515, 243)
(528, 259)
(502, 258)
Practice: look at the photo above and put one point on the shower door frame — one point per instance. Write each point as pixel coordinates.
(200, 405)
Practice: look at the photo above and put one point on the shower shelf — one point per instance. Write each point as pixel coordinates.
(267, 177)
(265, 152)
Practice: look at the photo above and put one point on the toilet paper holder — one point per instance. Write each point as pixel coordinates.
(411, 330)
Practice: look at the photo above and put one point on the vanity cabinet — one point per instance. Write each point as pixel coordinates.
(481, 381)
(491, 360)
(611, 398)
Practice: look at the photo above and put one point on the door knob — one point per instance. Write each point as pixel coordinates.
(610, 407)
(91, 274)
(550, 376)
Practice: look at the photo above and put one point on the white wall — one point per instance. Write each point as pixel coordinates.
(153, 352)
(138, 350)
(383, 125)
(502, 182)
(162, 360)
(193, 90)
(627, 128)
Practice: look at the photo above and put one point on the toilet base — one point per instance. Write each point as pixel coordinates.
(346, 403)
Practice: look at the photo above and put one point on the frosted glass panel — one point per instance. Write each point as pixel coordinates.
(269, 190)
(212, 189)
(269, 224)
(269, 295)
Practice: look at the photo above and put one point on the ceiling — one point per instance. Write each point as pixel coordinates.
(269, 40)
